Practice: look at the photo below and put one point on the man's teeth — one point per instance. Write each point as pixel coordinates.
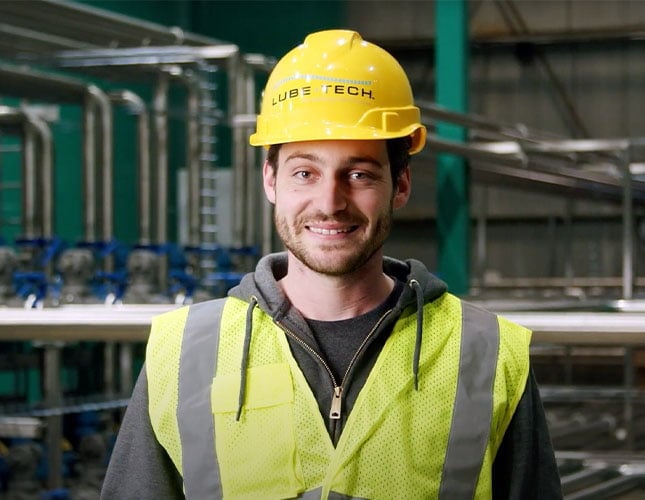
(320, 230)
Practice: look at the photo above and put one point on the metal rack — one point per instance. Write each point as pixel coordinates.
(515, 155)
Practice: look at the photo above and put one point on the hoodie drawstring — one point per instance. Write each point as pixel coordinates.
(245, 355)
(414, 284)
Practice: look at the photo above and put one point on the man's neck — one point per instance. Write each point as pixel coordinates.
(328, 298)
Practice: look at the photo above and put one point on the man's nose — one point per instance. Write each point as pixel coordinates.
(332, 196)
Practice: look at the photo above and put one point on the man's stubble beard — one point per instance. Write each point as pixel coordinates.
(347, 265)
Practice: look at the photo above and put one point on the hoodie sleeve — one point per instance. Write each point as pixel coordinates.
(525, 466)
(139, 467)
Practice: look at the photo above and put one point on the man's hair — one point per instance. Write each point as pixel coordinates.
(397, 153)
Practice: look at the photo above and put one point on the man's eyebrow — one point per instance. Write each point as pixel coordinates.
(303, 156)
(349, 162)
(353, 160)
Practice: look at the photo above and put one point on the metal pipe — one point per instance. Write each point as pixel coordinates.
(160, 124)
(568, 239)
(85, 25)
(53, 399)
(140, 57)
(37, 148)
(611, 488)
(244, 164)
(193, 166)
(125, 369)
(193, 153)
(482, 238)
(524, 152)
(260, 62)
(12, 118)
(246, 204)
(516, 165)
(109, 379)
(31, 84)
(628, 403)
(29, 184)
(138, 107)
(267, 244)
(435, 112)
(582, 478)
(102, 103)
(240, 171)
(89, 170)
(160, 121)
(628, 227)
(156, 56)
(145, 207)
(46, 158)
(28, 83)
(559, 282)
(264, 64)
(248, 103)
(581, 427)
(145, 56)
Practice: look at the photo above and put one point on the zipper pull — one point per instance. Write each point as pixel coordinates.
(334, 414)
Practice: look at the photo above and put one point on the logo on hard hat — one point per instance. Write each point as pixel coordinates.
(330, 87)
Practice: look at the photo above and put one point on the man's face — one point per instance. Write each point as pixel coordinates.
(334, 202)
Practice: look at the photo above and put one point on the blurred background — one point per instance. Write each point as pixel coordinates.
(127, 187)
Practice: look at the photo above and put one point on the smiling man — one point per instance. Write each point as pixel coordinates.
(333, 209)
(333, 371)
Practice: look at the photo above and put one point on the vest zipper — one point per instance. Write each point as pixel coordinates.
(360, 347)
(313, 352)
(336, 403)
(335, 411)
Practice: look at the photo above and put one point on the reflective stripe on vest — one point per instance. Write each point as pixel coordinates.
(471, 419)
(469, 434)
(197, 366)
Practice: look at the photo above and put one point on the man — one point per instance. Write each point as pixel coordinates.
(333, 371)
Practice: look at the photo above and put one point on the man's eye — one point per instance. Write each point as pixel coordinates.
(303, 174)
(359, 176)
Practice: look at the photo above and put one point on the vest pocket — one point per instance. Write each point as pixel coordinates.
(257, 454)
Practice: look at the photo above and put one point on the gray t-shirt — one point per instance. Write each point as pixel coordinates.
(339, 340)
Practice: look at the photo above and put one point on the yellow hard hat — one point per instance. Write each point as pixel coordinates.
(337, 86)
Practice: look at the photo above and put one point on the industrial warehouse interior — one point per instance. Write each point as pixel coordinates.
(128, 188)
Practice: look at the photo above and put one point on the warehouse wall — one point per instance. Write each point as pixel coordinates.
(265, 27)
(602, 76)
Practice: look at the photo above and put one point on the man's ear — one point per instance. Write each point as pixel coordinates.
(268, 181)
(402, 189)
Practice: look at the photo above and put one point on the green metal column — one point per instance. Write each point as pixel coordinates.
(451, 75)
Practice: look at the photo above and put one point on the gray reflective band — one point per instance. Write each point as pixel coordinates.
(311, 495)
(315, 494)
(473, 412)
(197, 364)
(339, 496)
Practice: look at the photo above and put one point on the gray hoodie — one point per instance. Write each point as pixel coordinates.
(524, 468)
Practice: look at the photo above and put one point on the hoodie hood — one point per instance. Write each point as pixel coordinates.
(263, 283)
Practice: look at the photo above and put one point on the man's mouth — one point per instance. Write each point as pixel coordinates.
(330, 231)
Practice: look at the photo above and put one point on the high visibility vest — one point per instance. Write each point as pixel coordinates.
(438, 441)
